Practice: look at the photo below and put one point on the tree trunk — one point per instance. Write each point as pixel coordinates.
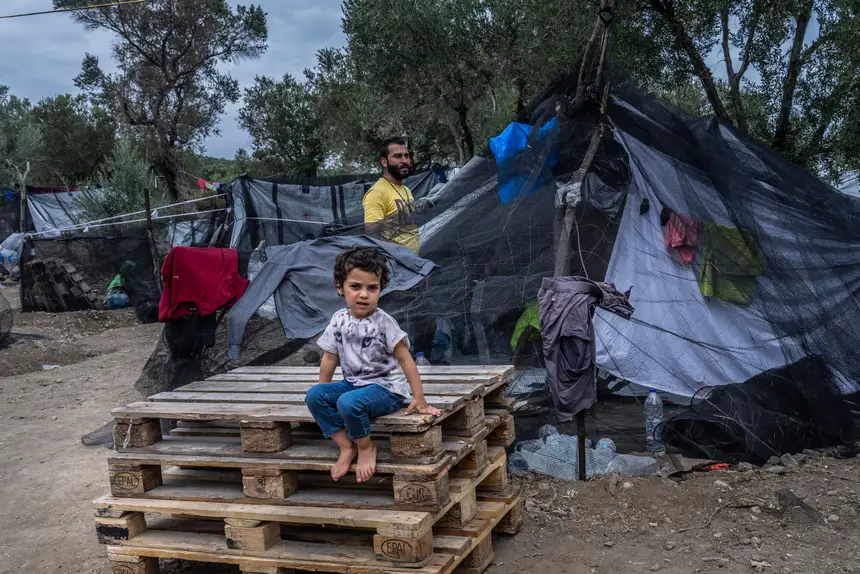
(466, 134)
(734, 79)
(795, 63)
(170, 168)
(699, 67)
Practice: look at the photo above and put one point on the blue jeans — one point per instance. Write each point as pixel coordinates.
(339, 406)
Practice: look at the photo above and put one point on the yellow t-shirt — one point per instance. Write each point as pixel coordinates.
(394, 207)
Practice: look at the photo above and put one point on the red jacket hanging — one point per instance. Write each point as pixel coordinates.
(201, 280)
(682, 233)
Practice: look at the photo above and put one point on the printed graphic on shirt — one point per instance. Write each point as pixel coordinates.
(365, 348)
(394, 208)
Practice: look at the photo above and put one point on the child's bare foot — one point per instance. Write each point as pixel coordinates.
(366, 462)
(341, 467)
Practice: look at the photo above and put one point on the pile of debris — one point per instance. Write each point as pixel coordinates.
(59, 287)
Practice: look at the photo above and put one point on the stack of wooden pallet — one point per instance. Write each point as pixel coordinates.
(244, 479)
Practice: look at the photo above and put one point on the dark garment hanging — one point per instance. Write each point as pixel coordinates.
(566, 311)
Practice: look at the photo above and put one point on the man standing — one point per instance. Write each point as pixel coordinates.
(389, 209)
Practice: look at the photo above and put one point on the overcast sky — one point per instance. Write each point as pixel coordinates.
(41, 55)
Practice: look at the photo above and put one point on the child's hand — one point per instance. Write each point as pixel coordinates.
(421, 406)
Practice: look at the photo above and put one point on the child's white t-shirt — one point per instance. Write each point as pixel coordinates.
(366, 349)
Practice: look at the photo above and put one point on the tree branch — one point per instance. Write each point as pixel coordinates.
(734, 79)
(701, 69)
(828, 112)
(795, 63)
(745, 57)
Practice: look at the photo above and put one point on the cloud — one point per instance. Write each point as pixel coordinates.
(42, 54)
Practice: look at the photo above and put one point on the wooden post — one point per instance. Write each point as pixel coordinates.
(22, 182)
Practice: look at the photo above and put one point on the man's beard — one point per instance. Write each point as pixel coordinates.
(398, 172)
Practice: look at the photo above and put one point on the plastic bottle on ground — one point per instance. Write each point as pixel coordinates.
(421, 360)
(653, 418)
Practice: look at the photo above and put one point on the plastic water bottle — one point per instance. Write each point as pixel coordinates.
(421, 361)
(653, 418)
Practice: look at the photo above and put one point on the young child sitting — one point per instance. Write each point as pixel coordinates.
(368, 344)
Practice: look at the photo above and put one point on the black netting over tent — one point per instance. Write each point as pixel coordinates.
(743, 269)
(73, 272)
(10, 213)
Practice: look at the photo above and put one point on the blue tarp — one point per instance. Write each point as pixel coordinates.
(507, 147)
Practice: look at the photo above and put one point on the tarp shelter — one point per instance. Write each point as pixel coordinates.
(286, 210)
(772, 279)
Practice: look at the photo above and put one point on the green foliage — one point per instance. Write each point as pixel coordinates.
(121, 185)
(212, 168)
(283, 120)
(20, 138)
(168, 89)
(76, 138)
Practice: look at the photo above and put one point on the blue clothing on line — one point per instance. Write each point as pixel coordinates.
(339, 406)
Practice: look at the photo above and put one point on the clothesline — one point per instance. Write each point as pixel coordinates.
(87, 226)
(287, 220)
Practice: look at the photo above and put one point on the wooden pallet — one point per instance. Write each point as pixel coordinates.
(266, 411)
(464, 548)
(292, 476)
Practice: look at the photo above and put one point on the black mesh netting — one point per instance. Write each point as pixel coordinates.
(73, 273)
(762, 271)
(6, 320)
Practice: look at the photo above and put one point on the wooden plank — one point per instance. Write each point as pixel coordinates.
(214, 385)
(201, 547)
(445, 403)
(396, 422)
(264, 377)
(492, 370)
(181, 489)
(322, 555)
(390, 521)
(304, 454)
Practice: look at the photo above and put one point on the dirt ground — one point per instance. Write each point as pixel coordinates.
(722, 521)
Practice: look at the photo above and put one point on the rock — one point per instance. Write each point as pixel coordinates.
(627, 485)
(722, 484)
(609, 544)
(832, 518)
(655, 568)
(746, 541)
(759, 565)
(560, 513)
(789, 462)
(755, 510)
(832, 492)
(718, 534)
(801, 458)
(745, 467)
(773, 460)
(775, 469)
(669, 545)
(756, 540)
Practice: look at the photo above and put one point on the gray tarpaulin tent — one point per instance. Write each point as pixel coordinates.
(285, 210)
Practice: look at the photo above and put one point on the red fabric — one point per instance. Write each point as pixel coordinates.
(200, 279)
(682, 233)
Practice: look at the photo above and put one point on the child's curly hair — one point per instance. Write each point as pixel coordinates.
(369, 259)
